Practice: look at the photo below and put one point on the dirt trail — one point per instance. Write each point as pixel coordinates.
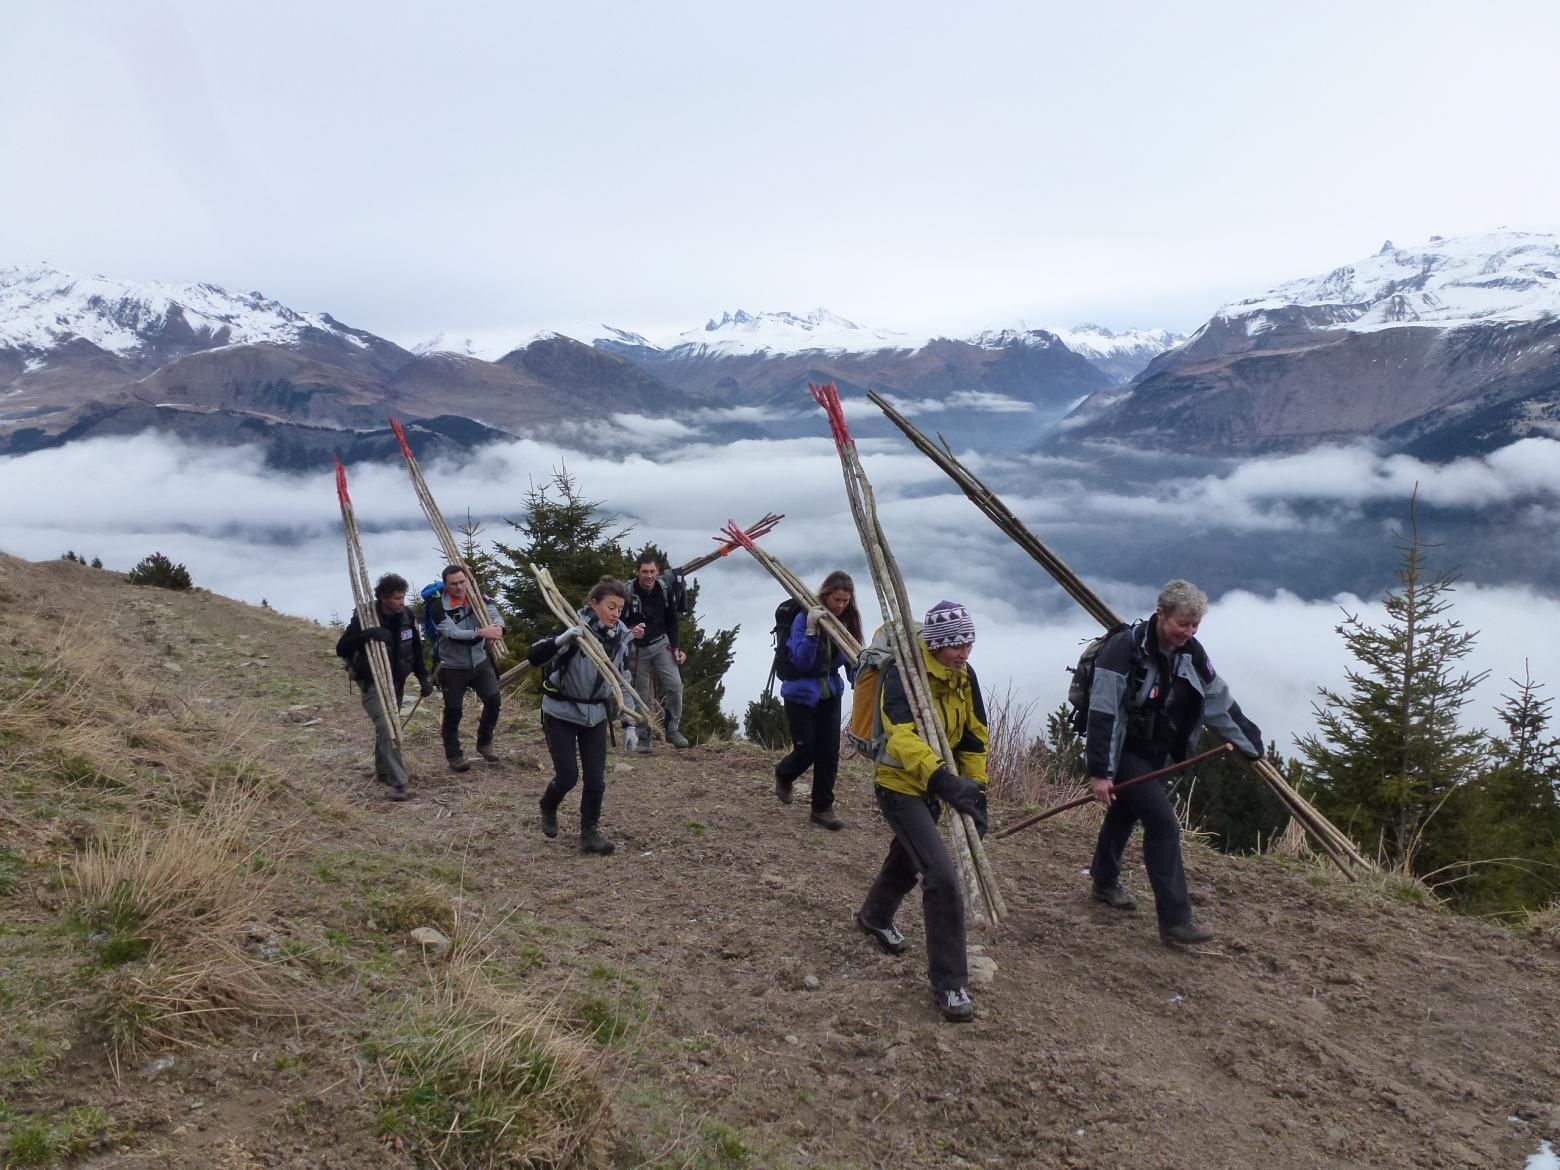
(1329, 1025)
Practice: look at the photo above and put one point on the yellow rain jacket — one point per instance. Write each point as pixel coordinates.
(908, 761)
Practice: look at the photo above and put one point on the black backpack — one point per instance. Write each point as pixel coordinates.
(1083, 679)
(786, 614)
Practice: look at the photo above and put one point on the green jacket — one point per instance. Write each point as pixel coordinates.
(909, 761)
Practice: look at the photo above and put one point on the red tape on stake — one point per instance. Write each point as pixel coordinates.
(341, 482)
(400, 437)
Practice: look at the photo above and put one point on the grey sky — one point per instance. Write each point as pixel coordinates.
(492, 167)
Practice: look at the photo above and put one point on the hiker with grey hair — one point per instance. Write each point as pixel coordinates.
(912, 785)
(397, 631)
(1154, 689)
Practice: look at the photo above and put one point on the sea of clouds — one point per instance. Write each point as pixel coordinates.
(1286, 545)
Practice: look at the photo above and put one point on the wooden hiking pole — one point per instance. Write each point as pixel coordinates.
(976, 876)
(441, 530)
(363, 605)
(803, 596)
(591, 648)
(1222, 750)
(1333, 842)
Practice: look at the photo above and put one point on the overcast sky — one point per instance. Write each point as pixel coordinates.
(491, 168)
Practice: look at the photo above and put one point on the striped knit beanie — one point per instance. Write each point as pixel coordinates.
(947, 624)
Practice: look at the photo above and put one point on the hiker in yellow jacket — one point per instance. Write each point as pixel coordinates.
(912, 786)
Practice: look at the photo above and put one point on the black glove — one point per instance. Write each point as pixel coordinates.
(427, 689)
(378, 634)
(961, 794)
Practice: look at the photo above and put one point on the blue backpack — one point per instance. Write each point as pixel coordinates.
(432, 614)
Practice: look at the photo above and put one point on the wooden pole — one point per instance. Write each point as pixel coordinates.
(729, 544)
(803, 596)
(1334, 843)
(982, 894)
(446, 540)
(1222, 749)
(363, 605)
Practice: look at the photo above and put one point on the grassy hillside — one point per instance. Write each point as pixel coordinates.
(206, 956)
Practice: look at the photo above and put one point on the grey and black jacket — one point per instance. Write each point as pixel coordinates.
(1131, 672)
(572, 688)
(460, 647)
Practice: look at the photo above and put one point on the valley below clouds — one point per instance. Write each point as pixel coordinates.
(1284, 544)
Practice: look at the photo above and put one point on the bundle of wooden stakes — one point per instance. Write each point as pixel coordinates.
(1327, 836)
(792, 584)
(981, 895)
(363, 604)
(446, 541)
(592, 649)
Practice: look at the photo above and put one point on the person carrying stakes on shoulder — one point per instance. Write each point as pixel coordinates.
(912, 785)
(464, 664)
(813, 700)
(575, 709)
(397, 630)
(1154, 688)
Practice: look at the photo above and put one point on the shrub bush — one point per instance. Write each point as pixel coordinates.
(160, 571)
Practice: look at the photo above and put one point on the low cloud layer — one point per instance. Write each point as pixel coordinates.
(1301, 523)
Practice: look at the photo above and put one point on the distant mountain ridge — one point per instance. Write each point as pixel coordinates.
(1444, 349)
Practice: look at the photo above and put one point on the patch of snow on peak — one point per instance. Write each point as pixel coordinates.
(748, 333)
(1096, 341)
(1500, 276)
(42, 308)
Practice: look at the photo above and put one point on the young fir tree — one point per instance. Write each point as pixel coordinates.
(1497, 841)
(1390, 748)
(765, 723)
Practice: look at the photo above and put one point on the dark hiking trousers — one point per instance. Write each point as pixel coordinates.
(562, 739)
(1150, 804)
(917, 850)
(484, 681)
(815, 739)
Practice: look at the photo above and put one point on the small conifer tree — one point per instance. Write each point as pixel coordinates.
(160, 571)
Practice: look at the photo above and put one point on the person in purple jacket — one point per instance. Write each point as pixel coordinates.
(813, 701)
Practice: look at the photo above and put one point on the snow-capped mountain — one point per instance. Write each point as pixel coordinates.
(1449, 282)
(1447, 348)
(781, 332)
(44, 308)
(1119, 356)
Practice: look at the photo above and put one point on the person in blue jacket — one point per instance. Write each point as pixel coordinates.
(813, 701)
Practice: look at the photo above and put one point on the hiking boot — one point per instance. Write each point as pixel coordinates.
(826, 818)
(956, 1005)
(889, 940)
(677, 739)
(549, 820)
(591, 841)
(783, 788)
(1187, 934)
(460, 764)
(485, 750)
(397, 791)
(1117, 896)
(642, 744)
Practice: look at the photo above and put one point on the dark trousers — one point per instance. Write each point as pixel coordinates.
(815, 744)
(1150, 804)
(563, 738)
(484, 681)
(917, 850)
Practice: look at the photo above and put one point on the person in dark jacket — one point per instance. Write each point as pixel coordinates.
(657, 654)
(813, 701)
(575, 708)
(397, 630)
(1154, 689)
(912, 785)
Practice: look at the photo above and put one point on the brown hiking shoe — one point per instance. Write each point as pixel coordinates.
(1187, 934)
(485, 750)
(591, 841)
(783, 789)
(460, 764)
